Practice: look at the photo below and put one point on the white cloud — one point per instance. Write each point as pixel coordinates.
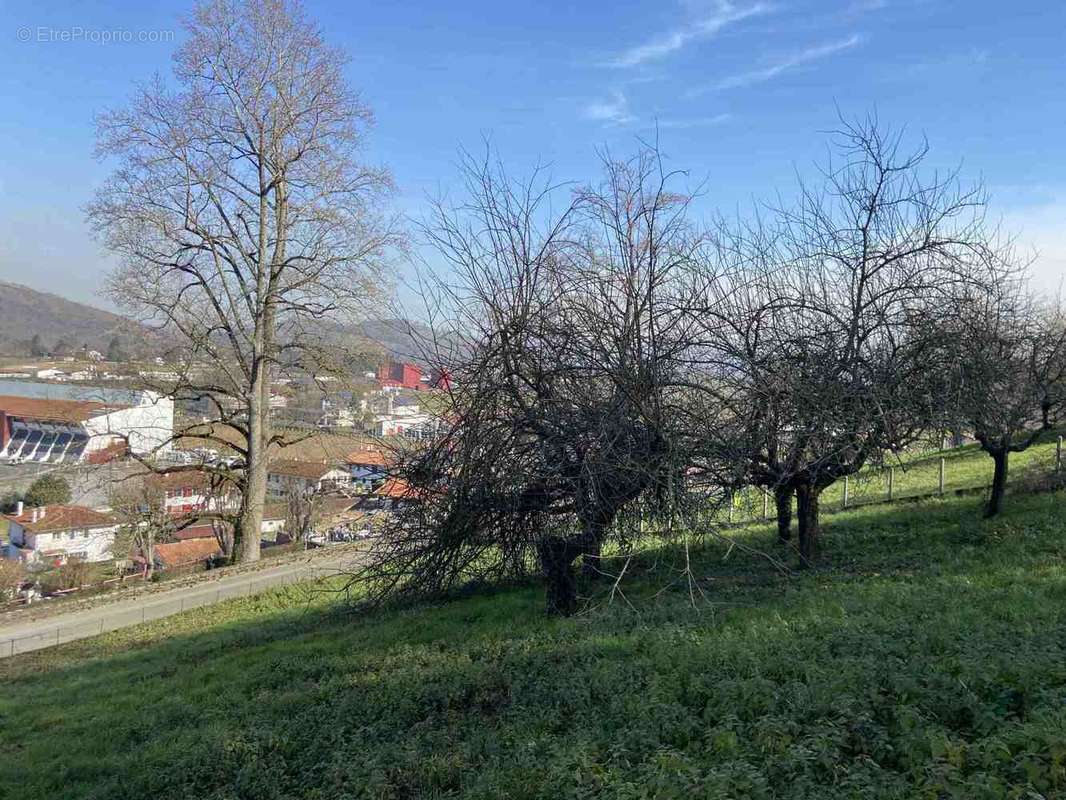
(694, 122)
(724, 13)
(614, 111)
(770, 72)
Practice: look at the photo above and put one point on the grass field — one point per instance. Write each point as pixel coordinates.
(925, 659)
(916, 475)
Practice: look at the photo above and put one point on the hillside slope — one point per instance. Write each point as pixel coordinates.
(923, 659)
(26, 312)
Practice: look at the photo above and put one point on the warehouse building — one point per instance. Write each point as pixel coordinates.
(36, 429)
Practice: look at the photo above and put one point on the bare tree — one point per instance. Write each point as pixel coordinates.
(827, 364)
(302, 512)
(567, 352)
(1004, 363)
(139, 507)
(245, 222)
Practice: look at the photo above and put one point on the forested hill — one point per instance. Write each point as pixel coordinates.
(26, 312)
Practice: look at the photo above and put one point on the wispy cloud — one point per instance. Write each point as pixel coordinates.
(798, 59)
(614, 111)
(694, 122)
(724, 13)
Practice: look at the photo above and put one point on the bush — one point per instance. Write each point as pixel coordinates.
(48, 490)
(9, 502)
(12, 574)
(74, 573)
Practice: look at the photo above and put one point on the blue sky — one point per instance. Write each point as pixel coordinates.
(742, 94)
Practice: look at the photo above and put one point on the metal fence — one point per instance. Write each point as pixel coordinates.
(104, 619)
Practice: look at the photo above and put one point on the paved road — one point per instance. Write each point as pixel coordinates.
(27, 636)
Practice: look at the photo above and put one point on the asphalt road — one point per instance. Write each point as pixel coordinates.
(27, 636)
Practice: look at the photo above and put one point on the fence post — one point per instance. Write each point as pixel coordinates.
(57, 635)
(847, 486)
(891, 481)
(765, 503)
(729, 514)
(943, 467)
(1058, 454)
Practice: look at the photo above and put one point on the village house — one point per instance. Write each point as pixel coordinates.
(189, 491)
(368, 467)
(306, 477)
(53, 534)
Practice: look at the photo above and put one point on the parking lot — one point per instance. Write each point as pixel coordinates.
(90, 484)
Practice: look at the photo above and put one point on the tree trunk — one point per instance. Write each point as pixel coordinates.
(594, 534)
(557, 556)
(999, 482)
(807, 514)
(783, 501)
(250, 522)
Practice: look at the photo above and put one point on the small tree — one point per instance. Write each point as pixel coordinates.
(143, 521)
(12, 574)
(48, 490)
(37, 348)
(73, 573)
(1005, 358)
(115, 351)
(826, 361)
(302, 512)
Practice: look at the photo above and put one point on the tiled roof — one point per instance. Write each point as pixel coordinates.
(181, 479)
(190, 551)
(46, 410)
(367, 457)
(395, 488)
(61, 518)
(312, 470)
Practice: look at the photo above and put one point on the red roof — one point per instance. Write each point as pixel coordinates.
(61, 518)
(195, 531)
(45, 410)
(190, 551)
(367, 457)
(396, 488)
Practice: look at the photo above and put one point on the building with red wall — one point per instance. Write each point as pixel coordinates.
(400, 374)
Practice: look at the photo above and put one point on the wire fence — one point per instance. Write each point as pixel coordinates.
(104, 619)
(928, 477)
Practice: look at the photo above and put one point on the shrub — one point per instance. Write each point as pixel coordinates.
(48, 490)
(74, 573)
(12, 574)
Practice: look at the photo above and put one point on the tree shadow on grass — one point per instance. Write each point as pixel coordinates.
(820, 686)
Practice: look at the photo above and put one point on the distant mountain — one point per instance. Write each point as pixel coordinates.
(25, 313)
(401, 340)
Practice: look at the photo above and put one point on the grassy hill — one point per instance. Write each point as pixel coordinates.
(926, 658)
(28, 312)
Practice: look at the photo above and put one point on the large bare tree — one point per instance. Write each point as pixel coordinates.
(569, 322)
(245, 221)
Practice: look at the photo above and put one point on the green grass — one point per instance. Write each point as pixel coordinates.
(926, 658)
(915, 475)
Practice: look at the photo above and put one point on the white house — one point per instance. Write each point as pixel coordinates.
(189, 491)
(304, 476)
(52, 534)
